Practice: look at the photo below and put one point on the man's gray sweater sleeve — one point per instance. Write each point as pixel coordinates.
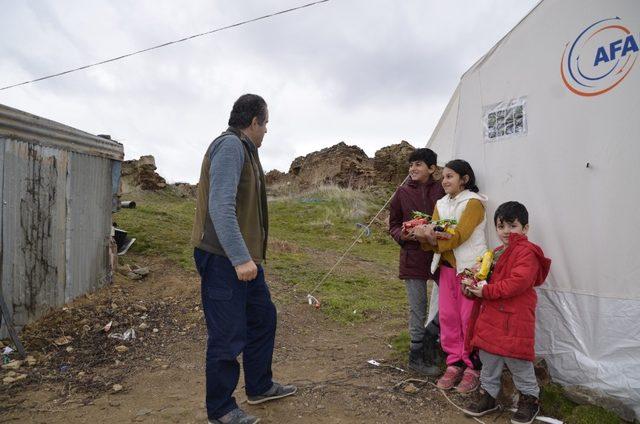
(227, 160)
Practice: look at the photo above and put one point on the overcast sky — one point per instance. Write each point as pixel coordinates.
(366, 72)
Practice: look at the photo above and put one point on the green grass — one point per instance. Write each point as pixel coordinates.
(308, 233)
(161, 225)
(326, 220)
(588, 414)
(555, 403)
(322, 225)
(400, 344)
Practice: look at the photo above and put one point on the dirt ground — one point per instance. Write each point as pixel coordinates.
(161, 373)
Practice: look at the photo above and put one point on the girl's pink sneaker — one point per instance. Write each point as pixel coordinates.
(451, 376)
(470, 381)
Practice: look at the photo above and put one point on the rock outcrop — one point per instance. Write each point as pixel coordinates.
(275, 177)
(140, 175)
(185, 189)
(342, 165)
(390, 163)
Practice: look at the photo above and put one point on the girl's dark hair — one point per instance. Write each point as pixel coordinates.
(247, 107)
(462, 168)
(427, 156)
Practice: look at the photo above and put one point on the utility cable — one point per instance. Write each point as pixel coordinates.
(282, 12)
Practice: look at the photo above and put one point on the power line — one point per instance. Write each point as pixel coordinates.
(282, 12)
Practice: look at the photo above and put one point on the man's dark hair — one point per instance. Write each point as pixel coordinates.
(427, 156)
(510, 211)
(247, 107)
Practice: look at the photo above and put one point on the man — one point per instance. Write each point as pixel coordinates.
(230, 239)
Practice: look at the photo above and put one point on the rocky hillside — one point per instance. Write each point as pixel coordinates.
(346, 166)
(342, 165)
(141, 174)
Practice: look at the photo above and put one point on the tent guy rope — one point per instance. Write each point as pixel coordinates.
(365, 229)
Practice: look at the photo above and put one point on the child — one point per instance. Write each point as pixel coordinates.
(504, 330)
(457, 252)
(419, 194)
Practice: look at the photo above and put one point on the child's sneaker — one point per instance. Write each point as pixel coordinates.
(470, 381)
(528, 408)
(450, 378)
(482, 404)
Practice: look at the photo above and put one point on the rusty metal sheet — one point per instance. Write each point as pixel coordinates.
(88, 224)
(33, 228)
(18, 125)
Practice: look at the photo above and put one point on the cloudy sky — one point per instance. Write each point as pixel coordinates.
(366, 72)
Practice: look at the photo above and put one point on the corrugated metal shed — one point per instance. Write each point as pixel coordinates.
(57, 188)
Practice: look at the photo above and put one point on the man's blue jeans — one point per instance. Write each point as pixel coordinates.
(241, 318)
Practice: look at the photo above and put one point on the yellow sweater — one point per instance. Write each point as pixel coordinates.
(471, 217)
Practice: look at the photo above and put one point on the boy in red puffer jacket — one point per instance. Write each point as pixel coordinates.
(504, 320)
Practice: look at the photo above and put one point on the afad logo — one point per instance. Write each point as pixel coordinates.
(599, 58)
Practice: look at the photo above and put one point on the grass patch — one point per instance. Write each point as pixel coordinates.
(555, 404)
(326, 219)
(308, 232)
(161, 225)
(401, 343)
(587, 414)
(348, 295)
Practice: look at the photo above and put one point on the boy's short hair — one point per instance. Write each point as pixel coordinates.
(510, 211)
(427, 156)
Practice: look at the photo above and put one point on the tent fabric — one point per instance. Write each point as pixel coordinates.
(575, 168)
(608, 357)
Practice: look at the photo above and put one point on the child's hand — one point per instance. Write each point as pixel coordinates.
(465, 283)
(406, 236)
(477, 290)
(443, 235)
(424, 234)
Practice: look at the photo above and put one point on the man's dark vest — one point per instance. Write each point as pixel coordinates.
(251, 203)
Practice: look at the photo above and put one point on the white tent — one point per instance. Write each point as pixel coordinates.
(549, 117)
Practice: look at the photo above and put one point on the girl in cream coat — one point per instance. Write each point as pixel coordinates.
(454, 253)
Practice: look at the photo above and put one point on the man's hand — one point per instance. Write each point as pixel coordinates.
(247, 271)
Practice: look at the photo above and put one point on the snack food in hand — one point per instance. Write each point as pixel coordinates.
(445, 226)
(485, 266)
(419, 218)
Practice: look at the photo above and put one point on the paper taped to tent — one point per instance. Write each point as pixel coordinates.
(549, 117)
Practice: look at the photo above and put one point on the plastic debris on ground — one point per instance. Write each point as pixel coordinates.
(378, 364)
(130, 334)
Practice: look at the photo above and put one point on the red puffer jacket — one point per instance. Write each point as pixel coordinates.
(504, 320)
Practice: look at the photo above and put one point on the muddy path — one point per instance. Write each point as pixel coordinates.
(161, 375)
